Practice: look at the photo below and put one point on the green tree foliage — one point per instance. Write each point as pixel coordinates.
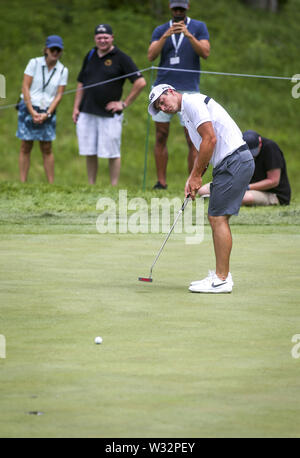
(153, 7)
(271, 5)
(243, 41)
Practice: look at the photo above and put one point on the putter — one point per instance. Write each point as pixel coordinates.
(149, 279)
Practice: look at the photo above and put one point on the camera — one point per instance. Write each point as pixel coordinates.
(177, 18)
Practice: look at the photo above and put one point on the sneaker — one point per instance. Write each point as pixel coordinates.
(211, 273)
(158, 185)
(212, 284)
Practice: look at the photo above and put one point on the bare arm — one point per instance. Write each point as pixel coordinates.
(272, 180)
(57, 99)
(207, 133)
(137, 87)
(53, 105)
(77, 101)
(27, 81)
(156, 47)
(201, 47)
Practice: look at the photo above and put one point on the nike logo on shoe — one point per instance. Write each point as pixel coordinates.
(212, 284)
(219, 284)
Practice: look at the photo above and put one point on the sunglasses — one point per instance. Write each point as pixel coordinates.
(55, 48)
(178, 8)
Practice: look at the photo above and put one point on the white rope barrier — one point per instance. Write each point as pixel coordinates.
(108, 81)
(293, 78)
(231, 74)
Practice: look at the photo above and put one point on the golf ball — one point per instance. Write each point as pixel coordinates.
(98, 340)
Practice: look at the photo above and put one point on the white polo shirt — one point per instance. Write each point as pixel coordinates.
(195, 112)
(57, 76)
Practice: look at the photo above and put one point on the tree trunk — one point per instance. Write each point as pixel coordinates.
(157, 8)
(271, 5)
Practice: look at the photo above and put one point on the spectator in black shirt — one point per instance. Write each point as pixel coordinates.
(98, 110)
(269, 184)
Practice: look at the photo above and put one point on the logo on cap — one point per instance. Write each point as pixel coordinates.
(179, 3)
(103, 28)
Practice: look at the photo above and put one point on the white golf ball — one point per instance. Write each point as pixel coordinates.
(98, 340)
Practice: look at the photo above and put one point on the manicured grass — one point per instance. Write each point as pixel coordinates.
(172, 363)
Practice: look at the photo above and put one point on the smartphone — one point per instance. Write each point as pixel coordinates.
(177, 19)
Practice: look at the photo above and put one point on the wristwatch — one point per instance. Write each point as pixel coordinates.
(49, 114)
(124, 105)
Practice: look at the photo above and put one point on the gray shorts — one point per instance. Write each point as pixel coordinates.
(230, 180)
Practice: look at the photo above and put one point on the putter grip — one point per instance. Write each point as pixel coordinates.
(185, 202)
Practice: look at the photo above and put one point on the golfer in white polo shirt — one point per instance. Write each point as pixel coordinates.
(218, 141)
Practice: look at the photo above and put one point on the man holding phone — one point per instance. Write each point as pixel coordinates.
(181, 43)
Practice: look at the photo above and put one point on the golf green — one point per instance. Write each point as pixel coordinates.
(172, 363)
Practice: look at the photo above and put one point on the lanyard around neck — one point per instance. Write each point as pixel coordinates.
(45, 84)
(178, 44)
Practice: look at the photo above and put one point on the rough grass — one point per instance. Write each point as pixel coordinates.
(52, 208)
(268, 45)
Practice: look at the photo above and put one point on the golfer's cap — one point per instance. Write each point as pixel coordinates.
(156, 92)
(103, 28)
(54, 41)
(179, 3)
(252, 139)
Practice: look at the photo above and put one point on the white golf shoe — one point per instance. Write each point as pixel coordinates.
(211, 273)
(212, 284)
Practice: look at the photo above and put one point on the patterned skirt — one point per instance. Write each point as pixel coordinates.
(28, 130)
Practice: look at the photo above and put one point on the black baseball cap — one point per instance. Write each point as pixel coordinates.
(103, 28)
(252, 139)
(179, 3)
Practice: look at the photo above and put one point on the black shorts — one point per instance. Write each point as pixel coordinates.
(230, 180)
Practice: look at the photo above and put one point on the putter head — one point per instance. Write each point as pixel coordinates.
(147, 279)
